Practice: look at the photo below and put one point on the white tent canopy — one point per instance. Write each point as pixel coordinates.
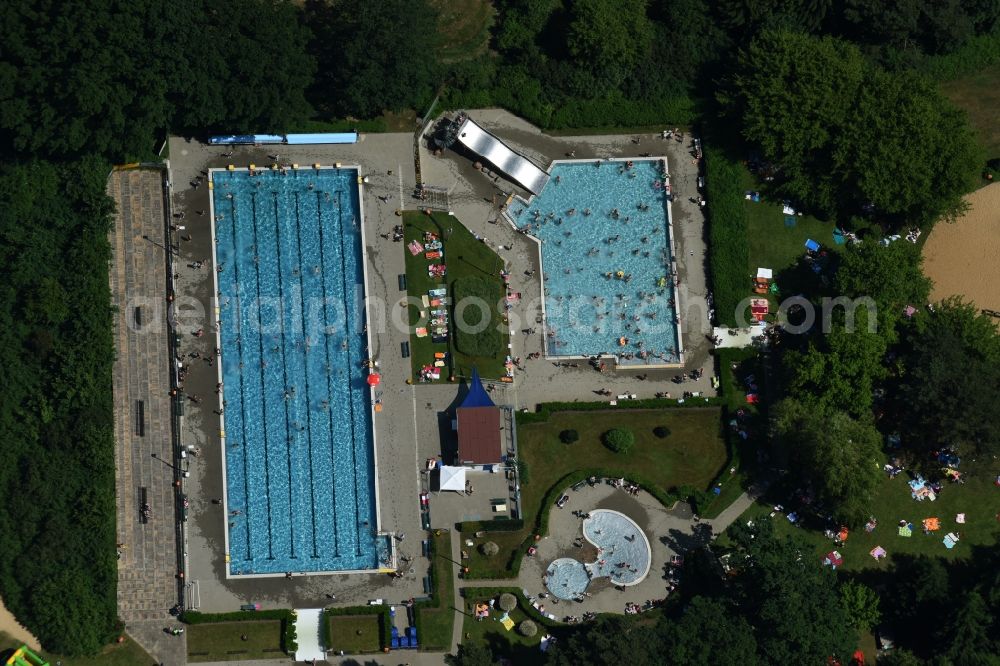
(765, 273)
(453, 478)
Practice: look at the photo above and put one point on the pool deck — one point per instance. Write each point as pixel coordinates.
(413, 425)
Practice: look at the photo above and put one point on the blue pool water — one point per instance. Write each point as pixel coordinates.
(298, 432)
(619, 541)
(623, 556)
(606, 259)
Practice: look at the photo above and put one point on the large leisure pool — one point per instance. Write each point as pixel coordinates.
(606, 257)
(299, 451)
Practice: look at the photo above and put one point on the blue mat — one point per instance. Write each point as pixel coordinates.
(838, 237)
(789, 220)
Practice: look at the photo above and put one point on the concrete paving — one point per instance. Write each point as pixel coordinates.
(415, 422)
(148, 585)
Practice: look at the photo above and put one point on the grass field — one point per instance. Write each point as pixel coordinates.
(464, 27)
(436, 623)
(978, 499)
(519, 649)
(354, 634)
(465, 257)
(222, 641)
(121, 654)
(979, 96)
(691, 455)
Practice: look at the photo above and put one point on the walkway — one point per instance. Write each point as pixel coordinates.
(147, 568)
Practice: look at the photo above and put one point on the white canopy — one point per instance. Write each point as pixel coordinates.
(452, 478)
(765, 273)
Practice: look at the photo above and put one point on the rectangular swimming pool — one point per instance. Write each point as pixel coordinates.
(607, 259)
(299, 449)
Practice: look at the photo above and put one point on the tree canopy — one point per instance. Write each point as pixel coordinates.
(847, 136)
(942, 400)
(838, 456)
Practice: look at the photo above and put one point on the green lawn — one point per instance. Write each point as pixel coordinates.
(437, 622)
(772, 244)
(519, 649)
(691, 455)
(119, 654)
(464, 28)
(977, 499)
(465, 257)
(222, 641)
(355, 634)
(979, 96)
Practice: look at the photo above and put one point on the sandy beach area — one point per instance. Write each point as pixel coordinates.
(9, 625)
(963, 258)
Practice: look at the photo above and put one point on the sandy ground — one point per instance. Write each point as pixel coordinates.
(963, 258)
(9, 625)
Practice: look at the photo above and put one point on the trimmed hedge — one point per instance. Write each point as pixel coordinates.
(512, 525)
(289, 639)
(486, 342)
(728, 248)
(545, 409)
(385, 624)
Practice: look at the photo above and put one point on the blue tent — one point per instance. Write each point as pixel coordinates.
(477, 394)
(812, 245)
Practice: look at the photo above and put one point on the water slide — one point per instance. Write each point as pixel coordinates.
(515, 166)
(23, 656)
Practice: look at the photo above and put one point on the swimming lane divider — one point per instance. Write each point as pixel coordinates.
(329, 375)
(242, 388)
(305, 378)
(289, 437)
(350, 366)
(263, 396)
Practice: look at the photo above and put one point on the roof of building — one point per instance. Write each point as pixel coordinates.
(479, 435)
(477, 396)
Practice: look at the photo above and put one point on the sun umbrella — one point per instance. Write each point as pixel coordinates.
(374, 379)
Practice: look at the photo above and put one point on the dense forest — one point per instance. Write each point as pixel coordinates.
(837, 96)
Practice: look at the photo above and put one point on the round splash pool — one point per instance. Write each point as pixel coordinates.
(623, 556)
(566, 578)
(623, 552)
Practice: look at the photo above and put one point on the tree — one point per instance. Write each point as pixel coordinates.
(972, 633)
(839, 369)
(527, 628)
(605, 642)
(569, 436)
(840, 457)
(471, 654)
(846, 136)
(955, 354)
(373, 56)
(489, 549)
(861, 604)
(607, 39)
(619, 440)
(889, 274)
(791, 602)
(689, 641)
(508, 602)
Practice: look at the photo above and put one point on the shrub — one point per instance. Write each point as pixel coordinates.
(527, 628)
(729, 252)
(661, 431)
(619, 440)
(507, 602)
(489, 549)
(569, 436)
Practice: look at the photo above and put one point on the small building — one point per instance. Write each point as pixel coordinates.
(478, 421)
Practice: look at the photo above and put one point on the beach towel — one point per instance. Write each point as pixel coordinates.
(960, 518)
(878, 552)
(905, 531)
(950, 540)
(789, 221)
(507, 623)
(415, 248)
(421, 332)
(931, 524)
